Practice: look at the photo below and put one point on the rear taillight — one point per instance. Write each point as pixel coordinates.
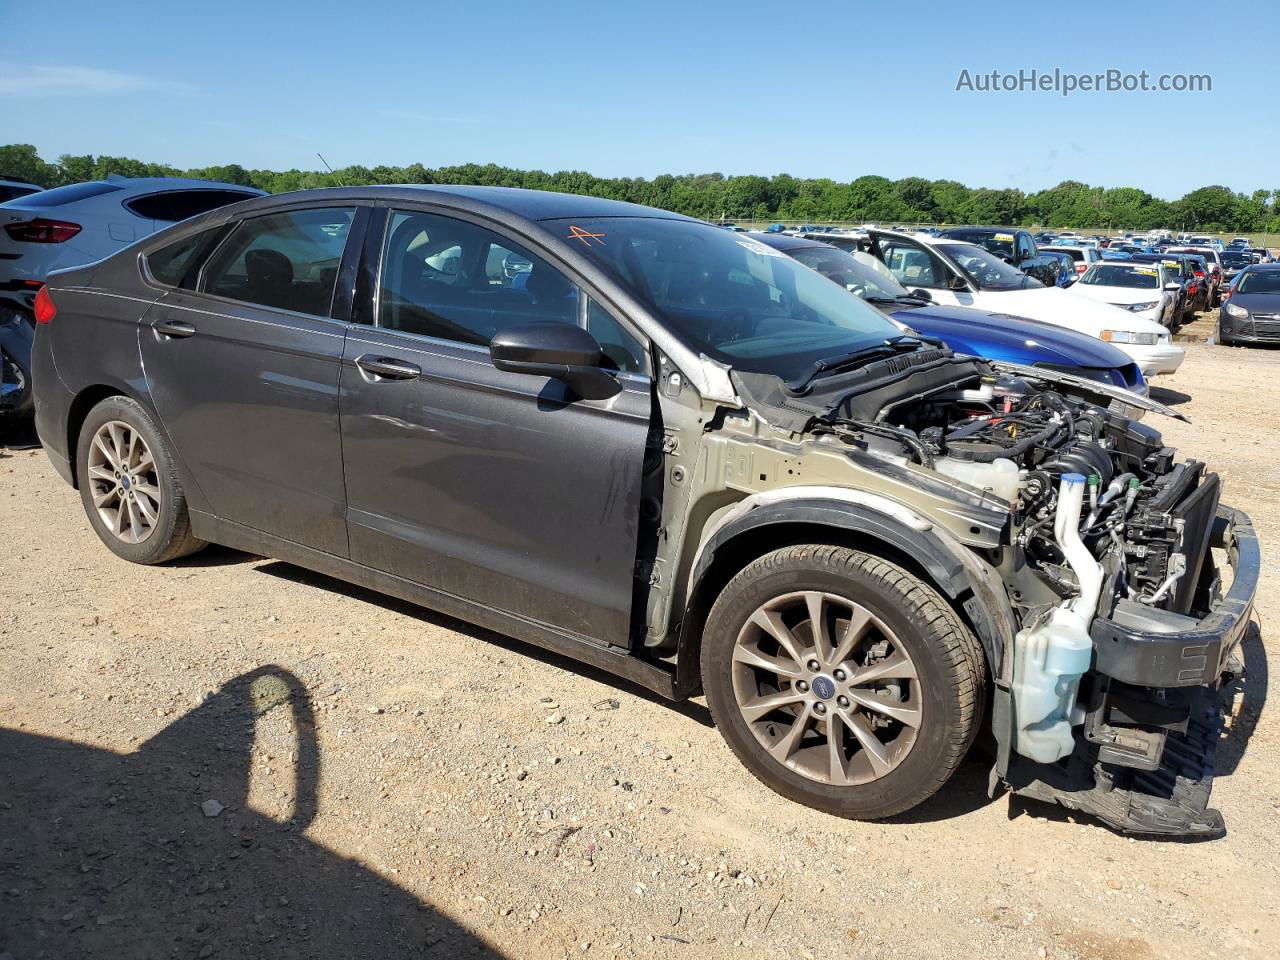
(41, 230)
(1081, 267)
(45, 310)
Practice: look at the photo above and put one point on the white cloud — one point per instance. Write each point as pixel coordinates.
(71, 82)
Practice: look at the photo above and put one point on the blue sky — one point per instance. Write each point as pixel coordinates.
(832, 88)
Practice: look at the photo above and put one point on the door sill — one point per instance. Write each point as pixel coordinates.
(615, 660)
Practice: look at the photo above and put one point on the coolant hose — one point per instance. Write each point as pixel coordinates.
(1118, 486)
(1066, 530)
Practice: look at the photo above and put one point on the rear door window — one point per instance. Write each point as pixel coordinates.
(288, 261)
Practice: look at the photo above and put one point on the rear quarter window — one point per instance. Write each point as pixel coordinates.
(170, 263)
(174, 205)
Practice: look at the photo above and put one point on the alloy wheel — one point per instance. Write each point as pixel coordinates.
(826, 688)
(123, 482)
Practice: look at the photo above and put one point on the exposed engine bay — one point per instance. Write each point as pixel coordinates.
(1109, 683)
(1020, 442)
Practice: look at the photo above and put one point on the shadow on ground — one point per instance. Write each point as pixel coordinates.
(1169, 397)
(17, 434)
(287, 571)
(1252, 692)
(110, 855)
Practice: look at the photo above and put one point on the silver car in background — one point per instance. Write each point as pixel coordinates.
(78, 224)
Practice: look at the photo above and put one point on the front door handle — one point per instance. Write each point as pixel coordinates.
(173, 328)
(388, 368)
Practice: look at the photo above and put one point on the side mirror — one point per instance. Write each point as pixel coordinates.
(957, 282)
(1173, 286)
(546, 349)
(923, 294)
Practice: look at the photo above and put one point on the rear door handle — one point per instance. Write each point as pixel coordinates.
(173, 328)
(388, 368)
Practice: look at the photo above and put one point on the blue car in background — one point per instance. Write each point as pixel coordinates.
(993, 336)
(1066, 268)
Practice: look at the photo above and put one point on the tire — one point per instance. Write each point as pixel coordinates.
(903, 616)
(153, 525)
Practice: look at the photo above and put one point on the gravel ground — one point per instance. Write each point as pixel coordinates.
(388, 782)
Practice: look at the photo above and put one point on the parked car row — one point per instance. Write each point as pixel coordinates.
(979, 333)
(960, 268)
(680, 454)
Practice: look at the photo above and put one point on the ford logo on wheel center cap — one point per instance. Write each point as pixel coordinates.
(824, 687)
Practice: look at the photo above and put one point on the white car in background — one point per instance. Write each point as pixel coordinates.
(963, 274)
(78, 224)
(1147, 290)
(1084, 257)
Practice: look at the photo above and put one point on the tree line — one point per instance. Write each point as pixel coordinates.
(714, 196)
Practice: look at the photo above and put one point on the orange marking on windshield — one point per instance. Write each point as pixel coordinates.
(577, 233)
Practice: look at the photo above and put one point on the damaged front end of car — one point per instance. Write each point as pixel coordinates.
(1108, 584)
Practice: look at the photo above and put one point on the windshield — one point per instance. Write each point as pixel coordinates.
(1232, 259)
(988, 271)
(1259, 281)
(1176, 267)
(998, 242)
(729, 296)
(844, 269)
(1115, 275)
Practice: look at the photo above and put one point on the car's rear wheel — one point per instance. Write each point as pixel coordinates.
(842, 681)
(129, 485)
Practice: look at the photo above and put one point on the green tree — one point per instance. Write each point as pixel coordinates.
(713, 195)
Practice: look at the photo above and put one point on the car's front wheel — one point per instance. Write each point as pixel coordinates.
(842, 681)
(129, 485)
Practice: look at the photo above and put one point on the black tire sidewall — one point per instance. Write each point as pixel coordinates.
(919, 773)
(172, 503)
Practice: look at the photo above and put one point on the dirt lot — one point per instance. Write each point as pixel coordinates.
(388, 782)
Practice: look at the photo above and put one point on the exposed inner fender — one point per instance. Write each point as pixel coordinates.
(951, 565)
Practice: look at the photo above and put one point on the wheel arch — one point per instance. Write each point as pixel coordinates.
(89, 397)
(78, 411)
(863, 522)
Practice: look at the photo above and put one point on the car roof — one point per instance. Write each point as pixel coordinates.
(992, 229)
(787, 241)
(529, 204)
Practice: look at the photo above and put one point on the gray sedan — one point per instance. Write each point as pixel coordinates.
(1251, 307)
